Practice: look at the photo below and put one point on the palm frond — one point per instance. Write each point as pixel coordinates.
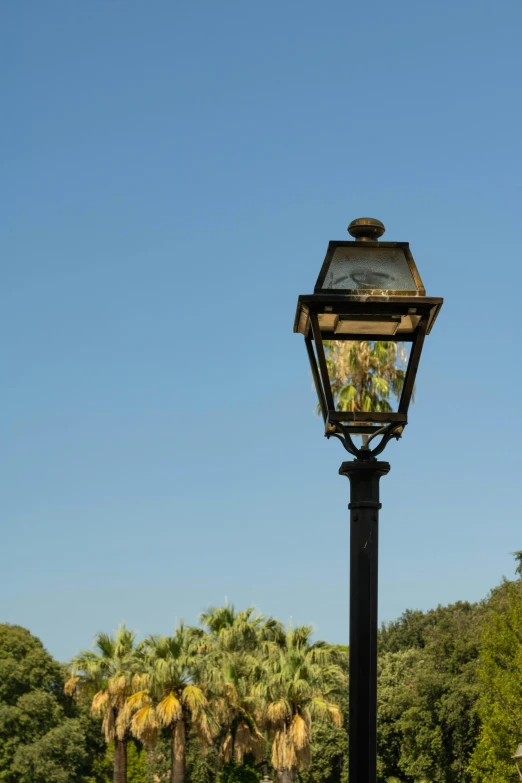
(169, 710)
(279, 711)
(123, 720)
(71, 686)
(117, 686)
(109, 725)
(193, 698)
(227, 748)
(144, 725)
(283, 751)
(99, 702)
(139, 699)
(299, 733)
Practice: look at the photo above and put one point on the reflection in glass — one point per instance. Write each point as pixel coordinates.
(365, 375)
(369, 268)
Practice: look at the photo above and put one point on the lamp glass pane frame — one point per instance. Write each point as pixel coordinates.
(419, 289)
(307, 322)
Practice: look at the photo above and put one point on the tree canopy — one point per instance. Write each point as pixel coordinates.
(241, 696)
(44, 736)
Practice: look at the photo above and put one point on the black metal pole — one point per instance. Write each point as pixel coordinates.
(364, 508)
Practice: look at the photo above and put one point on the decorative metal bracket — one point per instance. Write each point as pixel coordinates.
(342, 433)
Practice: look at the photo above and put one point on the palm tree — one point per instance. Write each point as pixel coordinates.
(301, 685)
(234, 649)
(173, 696)
(230, 630)
(236, 705)
(109, 674)
(364, 375)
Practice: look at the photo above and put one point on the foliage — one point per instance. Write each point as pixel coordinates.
(365, 375)
(300, 687)
(157, 760)
(246, 772)
(247, 691)
(237, 645)
(173, 697)
(328, 753)
(136, 763)
(394, 694)
(202, 766)
(428, 724)
(106, 677)
(44, 736)
(230, 630)
(53, 756)
(408, 632)
(500, 673)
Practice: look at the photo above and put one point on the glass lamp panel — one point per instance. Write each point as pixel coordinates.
(366, 376)
(369, 268)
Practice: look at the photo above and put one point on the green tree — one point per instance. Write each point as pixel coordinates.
(202, 763)
(136, 764)
(396, 672)
(500, 672)
(107, 676)
(428, 723)
(246, 772)
(55, 756)
(408, 631)
(158, 760)
(44, 737)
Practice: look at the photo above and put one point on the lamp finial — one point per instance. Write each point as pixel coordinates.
(366, 229)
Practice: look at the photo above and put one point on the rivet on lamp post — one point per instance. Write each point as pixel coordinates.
(370, 294)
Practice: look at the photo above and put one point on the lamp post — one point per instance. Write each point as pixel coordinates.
(370, 294)
(518, 757)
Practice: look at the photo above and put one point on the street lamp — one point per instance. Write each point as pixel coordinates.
(370, 294)
(516, 758)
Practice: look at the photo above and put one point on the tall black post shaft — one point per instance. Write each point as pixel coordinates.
(364, 508)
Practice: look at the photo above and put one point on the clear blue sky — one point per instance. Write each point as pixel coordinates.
(171, 175)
